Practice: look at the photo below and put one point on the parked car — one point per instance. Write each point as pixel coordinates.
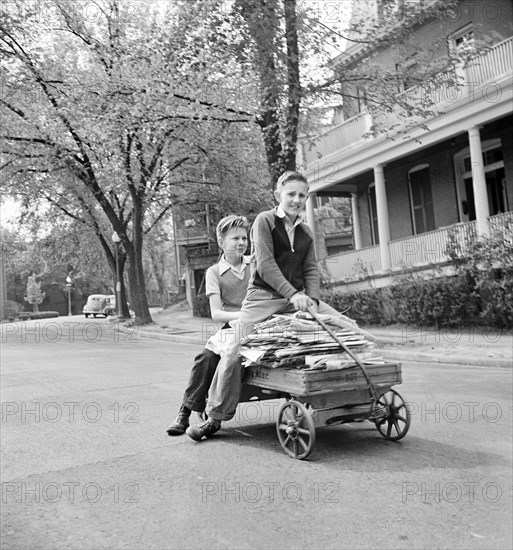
(97, 304)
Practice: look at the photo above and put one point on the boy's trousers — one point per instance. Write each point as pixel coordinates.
(226, 386)
(202, 373)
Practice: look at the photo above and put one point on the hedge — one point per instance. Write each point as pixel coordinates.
(442, 302)
(26, 315)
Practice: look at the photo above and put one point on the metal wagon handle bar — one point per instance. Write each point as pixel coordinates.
(370, 385)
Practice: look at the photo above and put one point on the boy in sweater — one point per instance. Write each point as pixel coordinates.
(284, 279)
(225, 285)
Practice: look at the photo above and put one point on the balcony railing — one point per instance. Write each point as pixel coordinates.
(431, 96)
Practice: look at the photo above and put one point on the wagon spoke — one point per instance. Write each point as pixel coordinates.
(389, 428)
(396, 424)
(304, 431)
(296, 447)
(401, 418)
(283, 427)
(303, 443)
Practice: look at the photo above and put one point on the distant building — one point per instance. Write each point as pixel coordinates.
(196, 244)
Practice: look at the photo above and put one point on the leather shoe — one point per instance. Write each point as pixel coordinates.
(205, 429)
(181, 422)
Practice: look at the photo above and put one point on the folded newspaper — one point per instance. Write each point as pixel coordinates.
(299, 341)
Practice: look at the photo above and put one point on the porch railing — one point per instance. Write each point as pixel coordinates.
(503, 224)
(431, 247)
(355, 264)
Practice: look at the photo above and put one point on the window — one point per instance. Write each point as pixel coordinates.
(407, 74)
(373, 214)
(421, 199)
(462, 41)
(361, 99)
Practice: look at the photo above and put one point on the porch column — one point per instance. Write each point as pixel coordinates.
(357, 231)
(479, 182)
(310, 219)
(383, 220)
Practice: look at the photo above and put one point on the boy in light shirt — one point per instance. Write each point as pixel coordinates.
(226, 284)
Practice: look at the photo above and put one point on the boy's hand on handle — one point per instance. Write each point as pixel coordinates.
(302, 302)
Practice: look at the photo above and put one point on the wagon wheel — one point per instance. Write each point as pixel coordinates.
(296, 430)
(395, 422)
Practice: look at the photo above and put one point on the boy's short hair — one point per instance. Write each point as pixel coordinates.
(230, 222)
(287, 176)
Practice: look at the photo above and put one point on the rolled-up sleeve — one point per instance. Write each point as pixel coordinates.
(212, 282)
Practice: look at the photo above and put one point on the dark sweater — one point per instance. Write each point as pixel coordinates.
(275, 266)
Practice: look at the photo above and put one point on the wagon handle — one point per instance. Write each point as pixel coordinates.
(370, 385)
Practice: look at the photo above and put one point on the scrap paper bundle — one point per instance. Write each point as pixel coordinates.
(299, 341)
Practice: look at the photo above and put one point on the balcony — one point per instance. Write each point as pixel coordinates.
(438, 96)
(417, 251)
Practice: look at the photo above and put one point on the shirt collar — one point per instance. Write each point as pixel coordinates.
(281, 214)
(224, 266)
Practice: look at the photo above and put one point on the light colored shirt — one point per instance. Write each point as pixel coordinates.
(238, 271)
(229, 282)
(289, 226)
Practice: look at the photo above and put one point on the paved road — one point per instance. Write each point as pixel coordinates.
(86, 462)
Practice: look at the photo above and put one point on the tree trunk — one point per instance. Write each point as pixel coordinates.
(159, 279)
(294, 86)
(125, 310)
(138, 299)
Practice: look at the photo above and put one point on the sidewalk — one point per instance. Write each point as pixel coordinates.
(478, 347)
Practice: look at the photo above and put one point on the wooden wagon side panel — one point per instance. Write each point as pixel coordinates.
(302, 382)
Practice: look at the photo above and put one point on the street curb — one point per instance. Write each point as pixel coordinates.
(422, 357)
(392, 354)
(176, 338)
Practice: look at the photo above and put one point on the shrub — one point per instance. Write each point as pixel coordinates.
(44, 315)
(201, 306)
(442, 302)
(12, 309)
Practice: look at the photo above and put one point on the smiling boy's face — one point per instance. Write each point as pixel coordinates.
(292, 197)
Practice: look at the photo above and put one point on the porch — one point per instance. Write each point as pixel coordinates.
(416, 252)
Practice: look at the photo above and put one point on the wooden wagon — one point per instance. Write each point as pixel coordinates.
(317, 398)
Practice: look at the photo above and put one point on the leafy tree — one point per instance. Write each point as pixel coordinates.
(101, 119)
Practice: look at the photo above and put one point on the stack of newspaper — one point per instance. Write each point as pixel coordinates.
(299, 341)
